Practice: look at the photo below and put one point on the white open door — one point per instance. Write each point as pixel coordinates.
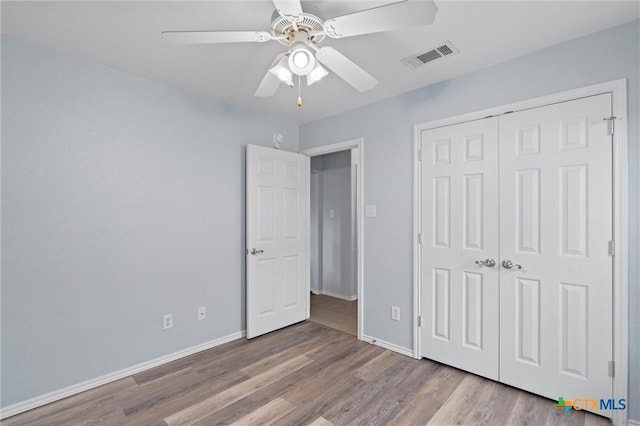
(277, 239)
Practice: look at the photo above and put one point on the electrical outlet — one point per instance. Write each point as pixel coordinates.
(167, 321)
(202, 313)
(395, 313)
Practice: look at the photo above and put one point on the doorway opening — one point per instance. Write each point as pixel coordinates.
(335, 236)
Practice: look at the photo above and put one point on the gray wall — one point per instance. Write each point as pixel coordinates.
(334, 248)
(122, 200)
(388, 148)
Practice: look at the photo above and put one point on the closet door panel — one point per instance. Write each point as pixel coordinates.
(459, 185)
(556, 222)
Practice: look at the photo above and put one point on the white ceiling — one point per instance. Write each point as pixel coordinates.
(126, 35)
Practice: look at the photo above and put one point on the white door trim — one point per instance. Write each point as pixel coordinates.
(618, 89)
(345, 146)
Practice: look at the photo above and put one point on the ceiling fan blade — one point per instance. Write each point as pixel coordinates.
(207, 37)
(405, 14)
(270, 82)
(288, 8)
(346, 69)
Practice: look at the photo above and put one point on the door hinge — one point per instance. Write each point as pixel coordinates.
(612, 248)
(611, 121)
(419, 321)
(420, 238)
(612, 369)
(420, 155)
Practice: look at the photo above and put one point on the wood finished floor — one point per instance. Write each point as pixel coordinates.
(306, 374)
(336, 313)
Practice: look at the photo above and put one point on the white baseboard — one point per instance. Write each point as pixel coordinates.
(41, 400)
(339, 296)
(399, 349)
(633, 422)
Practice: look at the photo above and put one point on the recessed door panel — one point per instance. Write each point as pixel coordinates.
(528, 217)
(575, 132)
(442, 211)
(473, 310)
(573, 205)
(291, 276)
(291, 213)
(267, 277)
(441, 303)
(441, 151)
(473, 219)
(474, 150)
(266, 206)
(527, 320)
(527, 140)
(574, 328)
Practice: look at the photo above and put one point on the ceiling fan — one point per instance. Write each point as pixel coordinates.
(301, 32)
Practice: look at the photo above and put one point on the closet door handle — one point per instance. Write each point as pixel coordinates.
(489, 263)
(507, 264)
(254, 251)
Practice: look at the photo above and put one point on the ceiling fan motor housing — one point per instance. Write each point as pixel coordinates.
(311, 24)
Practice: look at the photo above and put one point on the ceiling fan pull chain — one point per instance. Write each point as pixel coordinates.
(299, 92)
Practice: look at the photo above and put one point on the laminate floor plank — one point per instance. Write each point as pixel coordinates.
(340, 353)
(261, 347)
(150, 406)
(306, 374)
(358, 406)
(386, 405)
(315, 340)
(327, 388)
(81, 407)
(227, 397)
(435, 391)
(267, 414)
(377, 365)
(529, 410)
(473, 391)
(399, 383)
(186, 362)
(321, 421)
(495, 407)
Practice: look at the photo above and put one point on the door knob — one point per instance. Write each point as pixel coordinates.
(254, 251)
(507, 264)
(489, 263)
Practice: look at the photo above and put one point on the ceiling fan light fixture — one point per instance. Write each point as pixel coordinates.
(316, 74)
(281, 71)
(301, 60)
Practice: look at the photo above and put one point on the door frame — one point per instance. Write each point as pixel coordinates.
(618, 90)
(348, 145)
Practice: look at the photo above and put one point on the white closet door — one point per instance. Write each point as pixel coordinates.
(556, 222)
(459, 226)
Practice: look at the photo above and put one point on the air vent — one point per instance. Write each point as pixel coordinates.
(445, 49)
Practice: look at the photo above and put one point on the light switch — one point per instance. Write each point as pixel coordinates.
(369, 211)
(332, 213)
